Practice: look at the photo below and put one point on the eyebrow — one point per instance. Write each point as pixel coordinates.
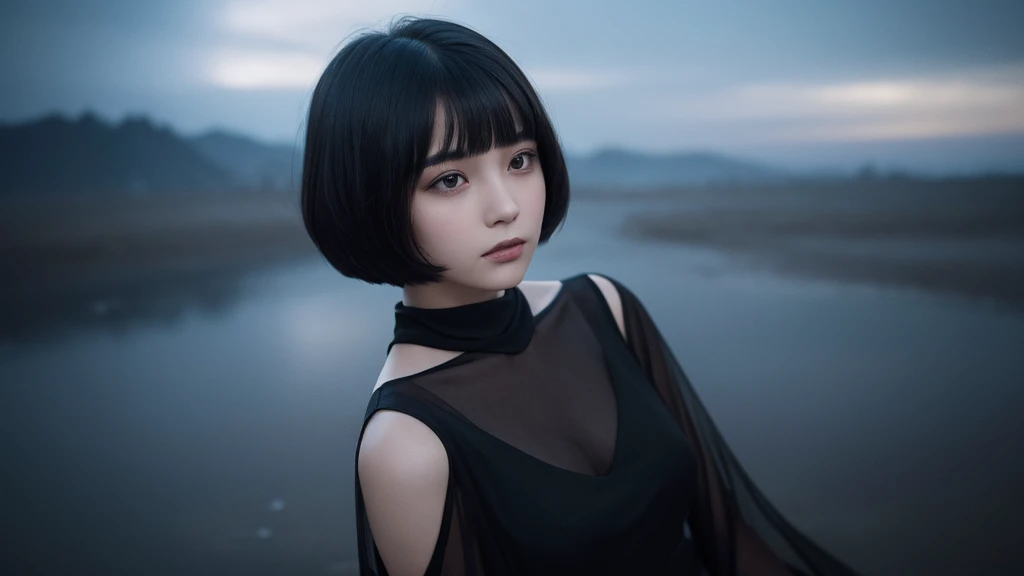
(442, 157)
(447, 155)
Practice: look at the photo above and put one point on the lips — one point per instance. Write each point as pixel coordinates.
(504, 244)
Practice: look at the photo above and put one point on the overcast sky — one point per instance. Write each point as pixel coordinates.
(922, 82)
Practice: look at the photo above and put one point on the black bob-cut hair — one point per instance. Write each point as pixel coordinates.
(371, 119)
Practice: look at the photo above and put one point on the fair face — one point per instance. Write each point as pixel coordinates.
(462, 207)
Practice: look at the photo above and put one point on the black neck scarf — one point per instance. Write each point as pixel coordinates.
(503, 324)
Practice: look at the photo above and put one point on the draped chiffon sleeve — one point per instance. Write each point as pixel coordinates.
(736, 530)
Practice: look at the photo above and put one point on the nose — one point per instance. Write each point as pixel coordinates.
(501, 205)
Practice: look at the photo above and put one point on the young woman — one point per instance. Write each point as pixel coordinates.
(516, 427)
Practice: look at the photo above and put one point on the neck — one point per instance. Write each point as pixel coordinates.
(446, 295)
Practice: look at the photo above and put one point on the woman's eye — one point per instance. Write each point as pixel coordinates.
(521, 159)
(448, 183)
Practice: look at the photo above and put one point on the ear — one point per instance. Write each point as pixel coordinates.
(611, 294)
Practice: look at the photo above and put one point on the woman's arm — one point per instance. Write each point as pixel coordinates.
(403, 474)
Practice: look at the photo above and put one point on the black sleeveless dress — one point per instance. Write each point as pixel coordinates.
(573, 450)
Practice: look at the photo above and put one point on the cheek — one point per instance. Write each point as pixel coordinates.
(536, 199)
(436, 230)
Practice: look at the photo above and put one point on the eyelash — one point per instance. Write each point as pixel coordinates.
(451, 191)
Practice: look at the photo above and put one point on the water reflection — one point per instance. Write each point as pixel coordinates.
(47, 313)
(181, 442)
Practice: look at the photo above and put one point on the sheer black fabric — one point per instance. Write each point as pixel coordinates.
(586, 453)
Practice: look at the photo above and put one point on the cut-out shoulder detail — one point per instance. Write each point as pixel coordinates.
(540, 293)
(611, 294)
(403, 473)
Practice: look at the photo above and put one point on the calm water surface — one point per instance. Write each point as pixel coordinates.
(220, 439)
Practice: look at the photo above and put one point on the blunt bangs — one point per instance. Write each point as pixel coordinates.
(371, 123)
(480, 113)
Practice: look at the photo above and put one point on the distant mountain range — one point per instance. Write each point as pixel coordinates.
(250, 163)
(59, 155)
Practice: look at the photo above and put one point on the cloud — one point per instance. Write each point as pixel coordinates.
(284, 44)
(966, 103)
(278, 44)
(254, 70)
(315, 24)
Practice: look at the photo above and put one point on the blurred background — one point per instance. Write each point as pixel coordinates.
(822, 205)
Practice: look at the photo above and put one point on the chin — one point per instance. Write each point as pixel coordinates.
(509, 277)
(501, 277)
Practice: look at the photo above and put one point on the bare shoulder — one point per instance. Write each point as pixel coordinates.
(611, 294)
(540, 293)
(403, 474)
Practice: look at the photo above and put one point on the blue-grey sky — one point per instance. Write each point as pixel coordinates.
(923, 83)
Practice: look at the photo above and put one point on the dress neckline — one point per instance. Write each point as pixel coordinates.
(621, 434)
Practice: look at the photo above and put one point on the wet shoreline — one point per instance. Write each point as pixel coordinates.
(958, 238)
